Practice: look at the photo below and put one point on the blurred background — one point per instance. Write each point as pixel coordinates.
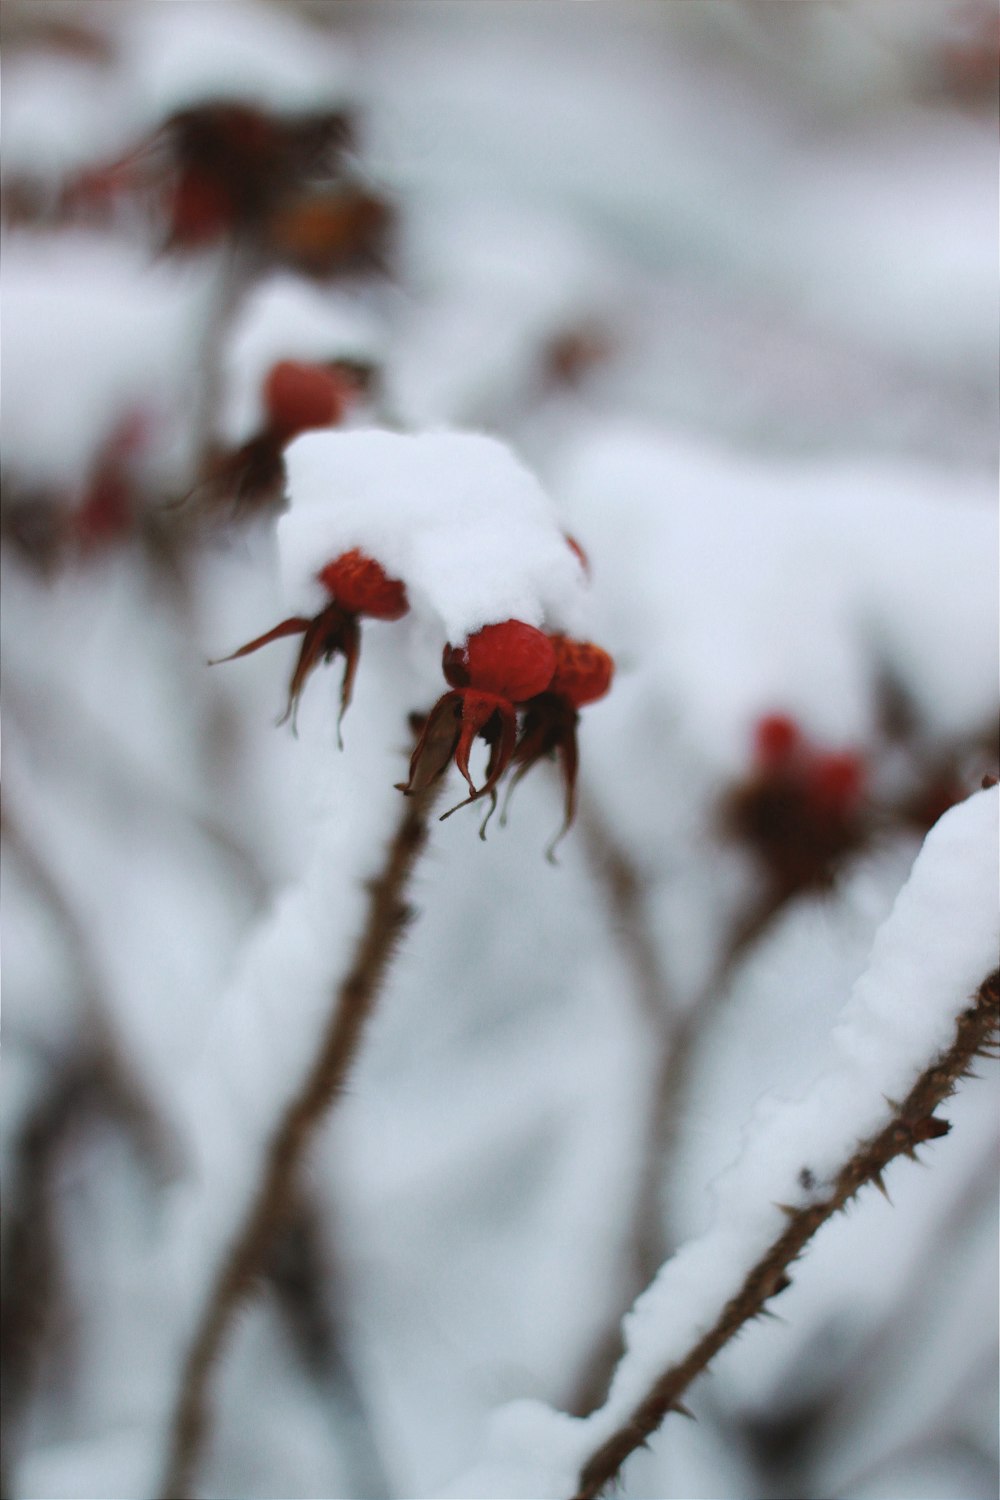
(724, 274)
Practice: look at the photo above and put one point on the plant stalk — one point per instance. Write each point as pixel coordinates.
(276, 1196)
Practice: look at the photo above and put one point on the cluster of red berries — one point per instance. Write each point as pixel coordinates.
(517, 688)
(802, 806)
(223, 169)
(500, 670)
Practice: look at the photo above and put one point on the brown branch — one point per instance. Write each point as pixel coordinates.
(976, 1031)
(275, 1199)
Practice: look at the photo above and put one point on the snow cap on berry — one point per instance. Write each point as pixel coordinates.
(454, 515)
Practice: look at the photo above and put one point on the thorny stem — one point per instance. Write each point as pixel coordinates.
(976, 1030)
(388, 914)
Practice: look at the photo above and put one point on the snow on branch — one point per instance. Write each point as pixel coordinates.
(916, 1020)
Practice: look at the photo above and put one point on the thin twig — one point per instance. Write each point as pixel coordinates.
(975, 1031)
(387, 916)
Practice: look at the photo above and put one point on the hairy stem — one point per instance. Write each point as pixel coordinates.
(276, 1195)
(976, 1029)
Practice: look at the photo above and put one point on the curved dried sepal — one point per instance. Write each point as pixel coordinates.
(349, 643)
(295, 626)
(539, 737)
(434, 749)
(491, 810)
(496, 721)
(330, 632)
(569, 760)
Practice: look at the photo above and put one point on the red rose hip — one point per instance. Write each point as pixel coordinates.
(361, 585)
(511, 660)
(583, 671)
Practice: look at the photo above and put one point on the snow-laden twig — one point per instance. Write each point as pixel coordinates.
(387, 915)
(916, 1020)
(912, 1123)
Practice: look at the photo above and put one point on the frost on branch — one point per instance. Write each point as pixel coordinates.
(923, 1009)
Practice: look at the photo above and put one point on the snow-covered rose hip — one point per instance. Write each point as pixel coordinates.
(582, 675)
(496, 668)
(358, 587)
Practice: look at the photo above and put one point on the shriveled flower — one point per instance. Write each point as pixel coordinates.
(359, 587)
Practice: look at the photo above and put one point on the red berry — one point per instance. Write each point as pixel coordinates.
(776, 738)
(583, 671)
(361, 586)
(836, 779)
(513, 660)
(299, 397)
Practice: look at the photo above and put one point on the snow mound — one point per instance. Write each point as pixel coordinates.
(469, 530)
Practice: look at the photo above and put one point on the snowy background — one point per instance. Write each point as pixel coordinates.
(723, 277)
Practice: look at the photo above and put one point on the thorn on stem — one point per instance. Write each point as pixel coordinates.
(878, 1181)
